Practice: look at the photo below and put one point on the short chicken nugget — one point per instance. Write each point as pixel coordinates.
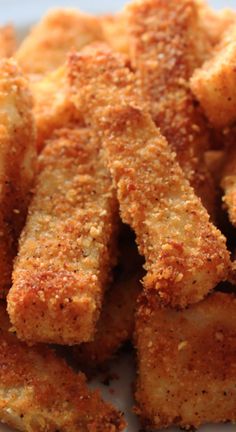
(116, 323)
(186, 363)
(68, 245)
(214, 84)
(185, 254)
(17, 162)
(39, 392)
(166, 45)
(59, 31)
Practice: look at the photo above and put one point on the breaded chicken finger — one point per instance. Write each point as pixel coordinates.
(39, 392)
(166, 45)
(68, 245)
(186, 363)
(214, 84)
(17, 162)
(116, 323)
(185, 254)
(7, 41)
(59, 31)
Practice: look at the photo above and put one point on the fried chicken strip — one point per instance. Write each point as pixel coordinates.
(39, 392)
(7, 41)
(185, 255)
(116, 323)
(115, 32)
(214, 83)
(186, 363)
(228, 183)
(68, 245)
(166, 45)
(59, 31)
(17, 160)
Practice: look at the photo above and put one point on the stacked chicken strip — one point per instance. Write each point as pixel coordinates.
(105, 123)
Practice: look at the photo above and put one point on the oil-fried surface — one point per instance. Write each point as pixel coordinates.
(39, 392)
(60, 31)
(214, 84)
(166, 45)
(228, 182)
(7, 41)
(68, 245)
(215, 22)
(186, 363)
(53, 108)
(116, 323)
(17, 159)
(185, 254)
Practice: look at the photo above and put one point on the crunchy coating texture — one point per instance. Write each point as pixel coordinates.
(116, 323)
(68, 245)
(186, 363)
(7, 41)
(166, 45)
(185, 255)
(215, 23)
(53, 108)
(214, 84)
(17, 162)
(228, 182)
(40, 393)
(115, 32)
(59, 31)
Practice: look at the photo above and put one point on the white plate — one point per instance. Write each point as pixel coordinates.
(23, 14)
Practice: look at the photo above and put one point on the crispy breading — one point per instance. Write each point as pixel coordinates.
(228, 183)
(215, 22)
(53, 108)
(59, 31)
(186, 363)
(115, 32)
(68, 245)
(39, 392)
(116, 323)
(17, 162)
(214, 84)
(7, 41)
(166, 45)
(185, 254)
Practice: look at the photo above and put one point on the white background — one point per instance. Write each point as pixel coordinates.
(23, 13)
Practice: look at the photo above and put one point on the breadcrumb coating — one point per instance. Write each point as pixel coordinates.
(17, 162)
(185, 255)
(166, 45)
(68, 245)
(116, 323)
(39, 392)
(7, 41)
(228, 182)
(115, 32)
(59, 31)
(214, 84)
(186, 363)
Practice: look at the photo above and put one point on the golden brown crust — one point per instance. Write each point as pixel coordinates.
(59, 31)
(228, 181)
(114, 29)
(166, 45)
(39, 392)
(185, 254)
(186, 363)
(17, 160)
(116, 323)
(7, 41)
(214, 83)
(68, 245)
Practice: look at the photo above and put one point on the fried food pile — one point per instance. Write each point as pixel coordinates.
(118, 215)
